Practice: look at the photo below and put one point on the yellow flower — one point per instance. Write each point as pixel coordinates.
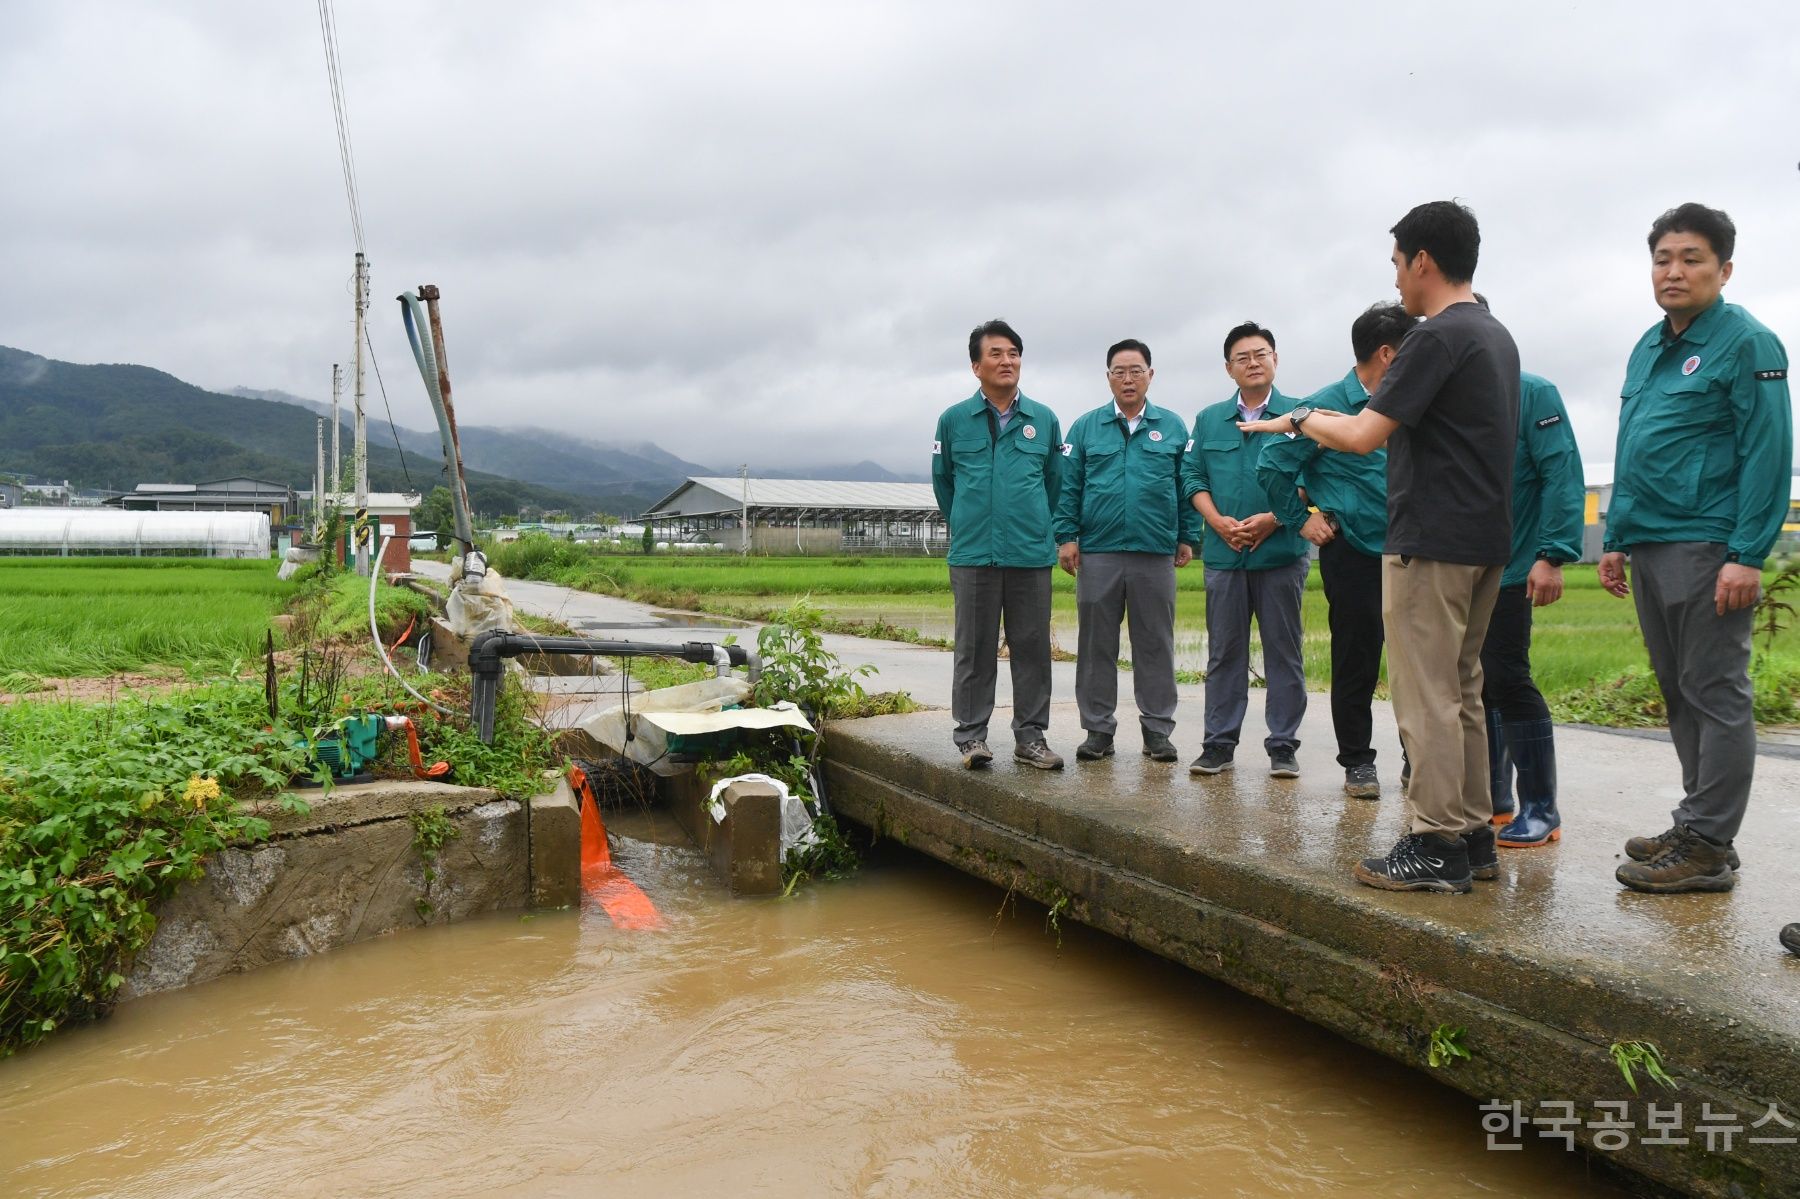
(200, 790)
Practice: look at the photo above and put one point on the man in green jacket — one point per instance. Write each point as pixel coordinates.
(1122, 529)
(1701, 478)
(1350, 529)
(1548, 498)
(995, 467)
(1255, 565)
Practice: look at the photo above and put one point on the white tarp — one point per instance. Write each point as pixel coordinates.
(487, 606)
(688, 710)
(796, 822)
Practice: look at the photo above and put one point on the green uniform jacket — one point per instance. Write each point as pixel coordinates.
(1121, 491)
(1549, 496)
(997, 492)
(1221, 460)
(1706, 437)
(1351, 487)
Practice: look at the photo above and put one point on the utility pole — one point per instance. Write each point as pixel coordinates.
(318, 505)
(337, 466)
(362, 445)
(744, 516)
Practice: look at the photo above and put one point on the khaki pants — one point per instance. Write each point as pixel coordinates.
(1436, 615)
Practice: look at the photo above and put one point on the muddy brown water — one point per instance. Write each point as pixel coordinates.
(888, 1035)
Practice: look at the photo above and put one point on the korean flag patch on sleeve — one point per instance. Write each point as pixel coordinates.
(937, 447)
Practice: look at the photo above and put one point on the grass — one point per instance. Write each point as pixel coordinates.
(98, 616)
(1587, 654)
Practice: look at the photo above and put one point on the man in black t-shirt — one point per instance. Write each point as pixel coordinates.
(1448, 411)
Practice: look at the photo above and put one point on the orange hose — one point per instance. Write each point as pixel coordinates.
(624, 903)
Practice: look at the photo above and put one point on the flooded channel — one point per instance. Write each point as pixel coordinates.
(889, 1035)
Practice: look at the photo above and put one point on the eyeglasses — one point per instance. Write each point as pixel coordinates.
(1247, 359)
(1128, 372)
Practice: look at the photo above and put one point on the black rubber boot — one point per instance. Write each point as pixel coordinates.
(1500, 769)
(1532, 747)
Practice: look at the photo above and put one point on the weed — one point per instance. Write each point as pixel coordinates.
(1629, 1056)
(1446, 1045)
(432, 830)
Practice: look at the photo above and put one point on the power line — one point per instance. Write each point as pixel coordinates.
(410, 485)
(334, 77)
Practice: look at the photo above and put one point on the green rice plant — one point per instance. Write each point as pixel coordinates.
(100, 616)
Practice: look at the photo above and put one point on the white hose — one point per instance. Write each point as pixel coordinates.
(375, 632)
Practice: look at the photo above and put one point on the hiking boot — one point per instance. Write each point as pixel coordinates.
(1645, 849)
(1688, 863)
(1361, 782)
(1283, 765)
(1484, 863)
(1097, 746)
(1212, 761)
(975, 754)
(1420, 862)
(1159, 748)
(1790, 937)
(1037, 754)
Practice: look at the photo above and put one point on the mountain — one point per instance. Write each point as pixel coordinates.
(623, 478)
(860, 472)
(115, 426)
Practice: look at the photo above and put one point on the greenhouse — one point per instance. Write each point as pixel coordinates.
(109, 532)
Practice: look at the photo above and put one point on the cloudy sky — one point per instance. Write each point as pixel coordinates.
(762, 231)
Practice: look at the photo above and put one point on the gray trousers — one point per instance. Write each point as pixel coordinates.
(1139, 588)
(1702, 664)
(985, 596)
(1273, 598)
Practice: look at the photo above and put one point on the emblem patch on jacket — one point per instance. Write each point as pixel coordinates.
(1030, 432)
(1549, 420)
(1767, 376)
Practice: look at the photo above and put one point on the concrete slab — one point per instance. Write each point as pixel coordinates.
(1246, 878)
(744, 849)
(555, 830)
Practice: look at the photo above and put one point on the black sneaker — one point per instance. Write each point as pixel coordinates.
(975, 754)
(1159, 748)
(1097, 746)
(1484, 859)
(1790, 938)
(1212, 761)
(1643, 849)
(1419, 862)
(1284, 765)
(1038, 754)
(1361, 782)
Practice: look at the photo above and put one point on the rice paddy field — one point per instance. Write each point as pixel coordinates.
(91, 617)
(1585, 648)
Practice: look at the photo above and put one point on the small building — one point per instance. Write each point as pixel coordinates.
(802, 516)
(390, 512)
(237, 494)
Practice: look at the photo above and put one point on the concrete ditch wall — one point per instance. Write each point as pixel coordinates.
(1537, 1021)
(349, 871)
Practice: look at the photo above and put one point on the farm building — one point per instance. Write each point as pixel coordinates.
(390, 515)
(240, 494)
(107, 532)
(802, 516)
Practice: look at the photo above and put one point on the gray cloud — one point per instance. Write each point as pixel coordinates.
(763, 231)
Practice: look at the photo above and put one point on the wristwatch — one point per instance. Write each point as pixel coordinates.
(1299, 414)
(1552, 559)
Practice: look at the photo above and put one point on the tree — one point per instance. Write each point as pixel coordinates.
(436, 511)
(649, 537)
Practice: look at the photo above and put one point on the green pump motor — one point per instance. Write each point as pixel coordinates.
(348, 752)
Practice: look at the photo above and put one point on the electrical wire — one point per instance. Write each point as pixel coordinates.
(375, 630)
(410, 485)
(334, 78)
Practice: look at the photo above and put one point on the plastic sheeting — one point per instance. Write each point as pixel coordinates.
(81, 532)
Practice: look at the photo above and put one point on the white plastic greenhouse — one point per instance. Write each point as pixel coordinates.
(109, 532)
